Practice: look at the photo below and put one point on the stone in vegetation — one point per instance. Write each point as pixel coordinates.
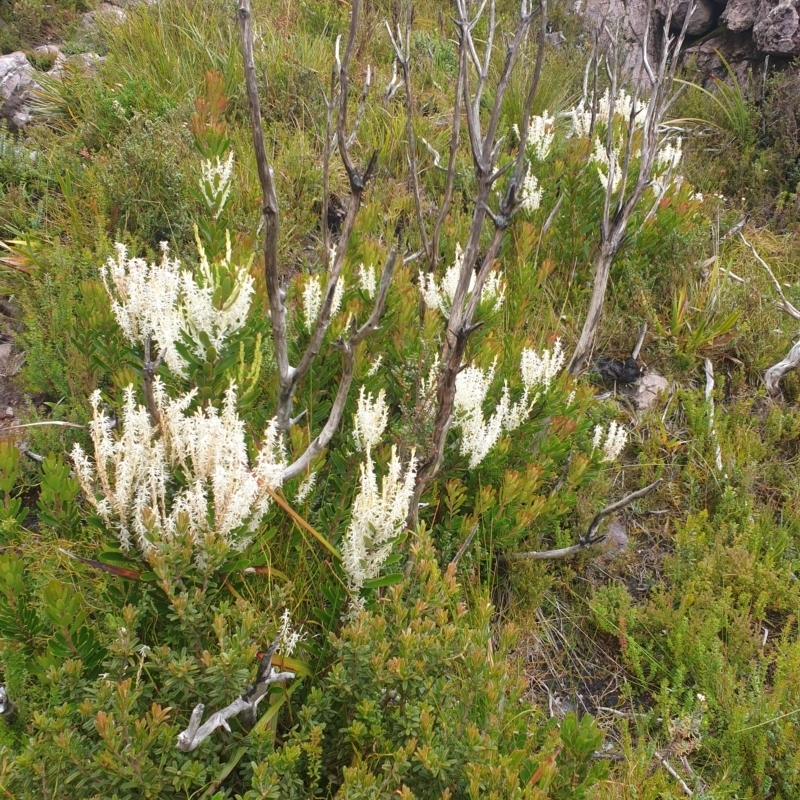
(16, 83)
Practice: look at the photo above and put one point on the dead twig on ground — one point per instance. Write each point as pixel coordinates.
(589, 539)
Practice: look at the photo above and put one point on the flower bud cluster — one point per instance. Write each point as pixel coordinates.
(131, 483)
(439, 296)
(378, 515)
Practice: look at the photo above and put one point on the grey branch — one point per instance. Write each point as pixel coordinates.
(348, 348)
(772, 377)
(668, 767)
(617, 211)
(289, 377)
(590, 538)
(784, 304)
(246, 704)
(464, 545)
(483, 146)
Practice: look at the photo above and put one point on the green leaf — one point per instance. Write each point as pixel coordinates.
(384, 580)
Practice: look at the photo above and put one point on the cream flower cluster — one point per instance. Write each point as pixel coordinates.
(312, 296)
(666, 163)
(221, 494)
(479, 435)
(378, 515)
(370, 420)
(215, 181)
(144, 300)
(367, 281)
(531, 195)
(289, 636)
(203, 306)
(439, 296)
(607, 167)
(623, 105)
(611, 442)
(312, 301)
(581, 115)
(541, 132)
(161, 302)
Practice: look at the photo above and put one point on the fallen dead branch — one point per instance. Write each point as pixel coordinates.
(246, 704)
(784, 304)
(668, 767)
(590, 538)
(772, 377)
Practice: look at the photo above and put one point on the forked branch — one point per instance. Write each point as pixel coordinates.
(288, 376)
(246, 704)
(619, 202)
(590, 538)
(484, 147)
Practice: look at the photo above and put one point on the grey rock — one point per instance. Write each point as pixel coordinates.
(737, 48)
(104, 14)
(647, 389)
(16, 84)
(16, 74)
(86, 62)
(739, 15)
(777, 30)
(615, 542)
(630, 19)
(701, 21)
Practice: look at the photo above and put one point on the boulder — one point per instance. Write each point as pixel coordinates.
(777, 29)
(630, 19)
(701, 21)
(739, 15)
(85, 62)
(737, 49)
(104, 14)
(16, 84)
(647, 390)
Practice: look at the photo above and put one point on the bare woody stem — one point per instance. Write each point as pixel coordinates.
(484, 152)
(617, 212)
(348, 348)
(246, 704)
(590, 538)
(289, 377)
(149, 370)
(275, 295)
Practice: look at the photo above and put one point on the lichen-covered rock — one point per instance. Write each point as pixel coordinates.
(777, 30)
(701, 21)
(16, 83)
(739, 15)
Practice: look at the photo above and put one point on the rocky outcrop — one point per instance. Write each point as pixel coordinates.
(702, 20)
(740, 32)
(739, 15)
(17, 75)
(777, 28)
(16, 84)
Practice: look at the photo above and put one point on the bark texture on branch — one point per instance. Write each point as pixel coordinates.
(473, 76)
(619, 204)
(246, 705)
(290, 376)
(590, 538)
(772, 377)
